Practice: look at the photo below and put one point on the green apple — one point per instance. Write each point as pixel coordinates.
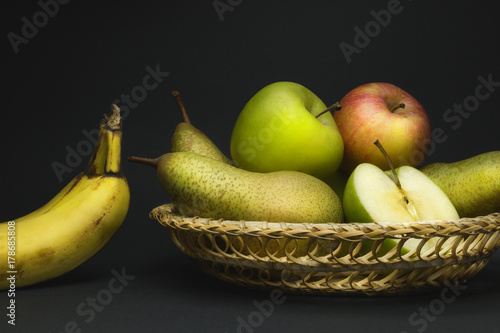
(281, 128)
(372, 195)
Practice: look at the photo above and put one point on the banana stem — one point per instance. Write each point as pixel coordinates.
(152, 162)
(178, 100)
(114, 139)
(98, 160)
(106, 157)
(114, 120)
(113, 161)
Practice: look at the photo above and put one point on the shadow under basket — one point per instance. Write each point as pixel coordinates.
(336, 259)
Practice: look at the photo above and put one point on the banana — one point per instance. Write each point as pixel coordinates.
(76, 223)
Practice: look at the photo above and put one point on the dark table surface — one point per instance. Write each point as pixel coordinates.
(64, 63)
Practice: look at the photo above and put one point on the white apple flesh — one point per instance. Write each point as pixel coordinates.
(371, 195)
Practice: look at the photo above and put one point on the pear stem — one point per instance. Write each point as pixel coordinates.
(402, 106)
(178, 100)
(335, 107)
(388, 159)
(152, 162)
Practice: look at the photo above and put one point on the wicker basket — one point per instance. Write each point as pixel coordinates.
(335, 259)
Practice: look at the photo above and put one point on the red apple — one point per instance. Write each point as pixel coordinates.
(384, 112)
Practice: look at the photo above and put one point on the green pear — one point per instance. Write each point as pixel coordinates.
(473, 184)
(204, 187)
(187, 138)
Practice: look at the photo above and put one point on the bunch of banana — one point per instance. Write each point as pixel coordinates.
(76, 223)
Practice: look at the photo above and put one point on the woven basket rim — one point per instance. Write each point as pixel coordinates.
(480, 224)
(170, 208)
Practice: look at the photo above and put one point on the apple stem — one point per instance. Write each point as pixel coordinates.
(389, 162)
(409, 206)
(178, 100)
(402, 106)
(335, 107)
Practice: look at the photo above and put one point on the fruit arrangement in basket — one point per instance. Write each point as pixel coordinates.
(288, 208)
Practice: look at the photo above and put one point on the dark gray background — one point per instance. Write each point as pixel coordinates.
(87, 55)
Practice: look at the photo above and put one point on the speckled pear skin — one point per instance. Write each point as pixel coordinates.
(204, 187)
(473, 184)
(187, 138)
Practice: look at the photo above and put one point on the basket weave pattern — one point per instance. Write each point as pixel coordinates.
(336, 259)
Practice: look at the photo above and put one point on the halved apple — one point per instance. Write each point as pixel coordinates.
(372, 195)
